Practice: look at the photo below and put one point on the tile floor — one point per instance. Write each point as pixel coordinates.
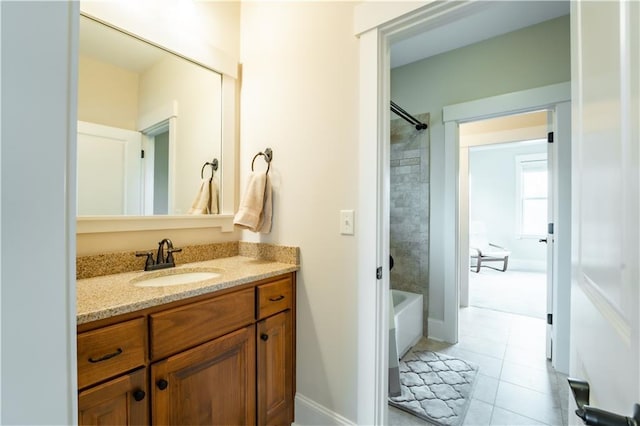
(516, 384)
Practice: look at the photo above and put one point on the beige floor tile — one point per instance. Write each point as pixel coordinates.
(489, 366)
(528, 341)
(499, 335)
(503, 417)
(516, 385)
(482, 346)
(530, 378)
(485, 389)
(529, 403)
(523, 356)
(478, 414)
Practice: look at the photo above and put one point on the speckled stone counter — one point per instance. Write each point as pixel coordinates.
(126, 261)
(110, 295)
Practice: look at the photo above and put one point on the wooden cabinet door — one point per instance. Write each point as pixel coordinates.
(121, 401)
(211, 384)
(275, 370)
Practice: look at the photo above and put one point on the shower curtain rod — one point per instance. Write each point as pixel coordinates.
(407, 117)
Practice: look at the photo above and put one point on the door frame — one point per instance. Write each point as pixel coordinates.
(377, 25)
(555, 98)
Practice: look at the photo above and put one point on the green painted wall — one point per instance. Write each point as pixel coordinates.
(532, 57)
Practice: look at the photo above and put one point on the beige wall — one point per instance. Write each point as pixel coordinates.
(175, 24)
(107, 94)
(299, 97)
(88, 244)
(198, 131)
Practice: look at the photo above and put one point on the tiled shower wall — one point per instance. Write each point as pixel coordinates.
(410, 209)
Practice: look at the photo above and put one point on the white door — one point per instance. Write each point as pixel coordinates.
(605, 280)
(109, 170)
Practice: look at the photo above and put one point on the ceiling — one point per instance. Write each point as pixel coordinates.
(491, 19)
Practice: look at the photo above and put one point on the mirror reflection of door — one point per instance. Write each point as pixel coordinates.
(109, 171)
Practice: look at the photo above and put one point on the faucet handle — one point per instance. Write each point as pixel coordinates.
(149, 262)
(170, 254)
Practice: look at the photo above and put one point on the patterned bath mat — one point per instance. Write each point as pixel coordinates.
(435, 387)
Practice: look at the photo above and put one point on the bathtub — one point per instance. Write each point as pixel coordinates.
(408, 318)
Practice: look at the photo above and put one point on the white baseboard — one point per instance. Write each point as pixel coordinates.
(310, 413)
(435, 330)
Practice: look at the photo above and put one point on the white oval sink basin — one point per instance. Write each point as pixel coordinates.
(175, 277)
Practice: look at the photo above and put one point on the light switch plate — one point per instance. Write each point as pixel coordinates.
(346, 222)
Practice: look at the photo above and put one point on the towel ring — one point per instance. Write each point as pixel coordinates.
(268, 156)
(214, 167)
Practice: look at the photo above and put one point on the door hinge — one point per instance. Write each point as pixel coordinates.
(379, 272)
(550, 319)
(142, 153)
(550, 228)
(550, 137)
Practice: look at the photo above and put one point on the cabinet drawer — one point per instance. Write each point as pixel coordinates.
(274, 297)
(109, 351)
(177, 329)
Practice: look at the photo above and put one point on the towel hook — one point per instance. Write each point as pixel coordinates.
(214, 167)
(268, 156)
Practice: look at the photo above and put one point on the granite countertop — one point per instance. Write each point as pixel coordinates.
(110, 295)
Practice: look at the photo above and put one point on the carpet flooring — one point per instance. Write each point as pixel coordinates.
(516, 292)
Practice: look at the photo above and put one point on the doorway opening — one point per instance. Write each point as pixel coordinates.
(157, 161)
(508, 228)
(512, 350)
(506, 201)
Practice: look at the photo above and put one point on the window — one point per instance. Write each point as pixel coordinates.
(531, 196)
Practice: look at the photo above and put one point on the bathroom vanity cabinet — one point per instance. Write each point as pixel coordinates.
(221, 359)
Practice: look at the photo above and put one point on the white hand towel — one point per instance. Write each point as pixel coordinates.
(252, 213)
(206, 201)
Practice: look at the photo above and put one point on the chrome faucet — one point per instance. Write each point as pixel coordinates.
(161, 261)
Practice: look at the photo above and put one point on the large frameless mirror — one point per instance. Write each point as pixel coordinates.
(149, 127)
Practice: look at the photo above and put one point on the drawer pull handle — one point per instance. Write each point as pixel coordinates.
(139, 395)
(264, 337)
(162, 384)
(106, 357)
(276, 298)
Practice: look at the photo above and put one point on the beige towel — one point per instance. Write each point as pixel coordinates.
(256, 205)
(267, 210)
(213, 197)
(206, 201)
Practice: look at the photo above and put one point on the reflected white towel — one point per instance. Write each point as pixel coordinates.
(206, 201)
(256, 206)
